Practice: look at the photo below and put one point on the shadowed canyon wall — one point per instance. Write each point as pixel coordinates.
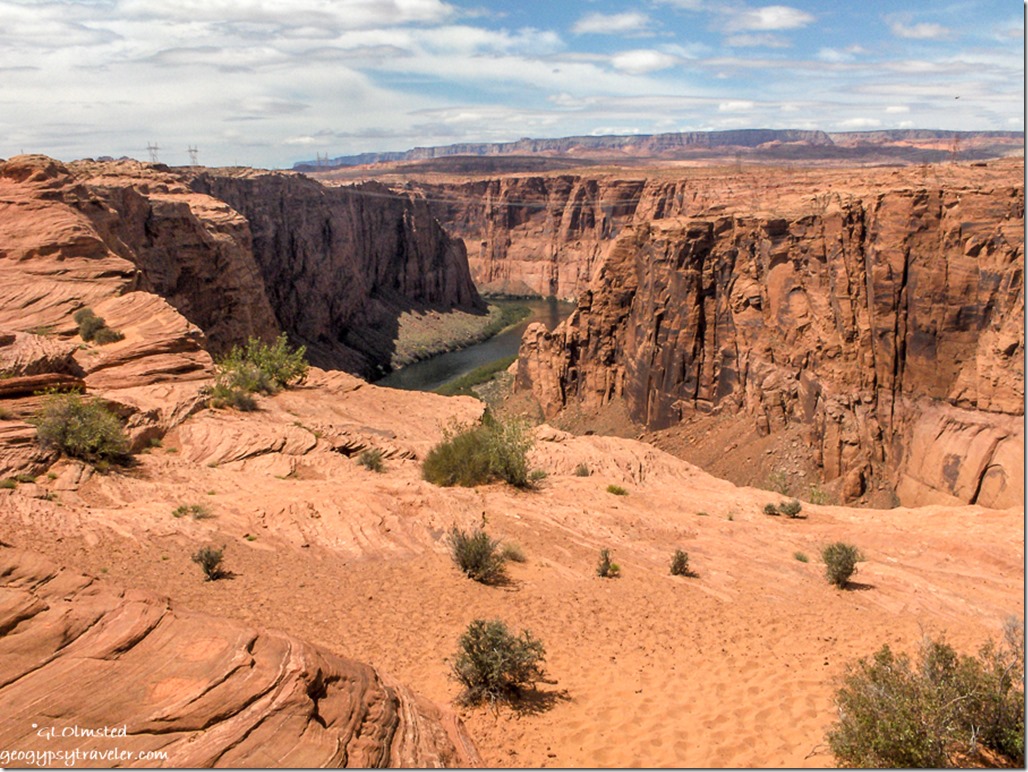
(236, 252)
(886, 315)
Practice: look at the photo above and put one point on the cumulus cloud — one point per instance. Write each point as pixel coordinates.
(767, 19)
(757, 41)
(612, 24)
(643, 61)
(922, 31)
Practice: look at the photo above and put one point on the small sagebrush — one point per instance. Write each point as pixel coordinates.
(209, 559)
(680, 564)
(582, 470)
(94, 328)
(371, 459)
(606, 568)
(477, 555)
(196, 511)
(478, 454)
(82, 429)
(790, 508)
(493, 664)
(257, 368)
(617, 490)
(840, 561)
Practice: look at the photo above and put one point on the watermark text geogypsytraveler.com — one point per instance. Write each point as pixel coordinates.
(71, 757)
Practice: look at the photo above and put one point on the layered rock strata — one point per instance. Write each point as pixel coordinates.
(172, 688)
(884, 315)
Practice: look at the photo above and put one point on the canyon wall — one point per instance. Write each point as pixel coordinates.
(340, 264)
(237, 253)
(883, 314)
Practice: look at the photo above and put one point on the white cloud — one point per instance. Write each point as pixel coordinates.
(767, 19)
(859, 123)
(736, 106)
(612, 24)
(757, 41)
(643, 61)
(922, 31)
(895, 109)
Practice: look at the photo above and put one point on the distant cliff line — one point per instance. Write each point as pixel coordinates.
(646, 145)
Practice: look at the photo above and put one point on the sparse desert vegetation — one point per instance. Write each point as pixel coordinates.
(474, 455)
(372, 460)
(257, 368)
(81, 428)
(494, 664)
(209, 559)
(477, 555)
(840, 561)
(607, 568)
(943, 709)
(93, 328)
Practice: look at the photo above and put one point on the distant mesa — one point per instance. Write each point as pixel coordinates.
(897, 146)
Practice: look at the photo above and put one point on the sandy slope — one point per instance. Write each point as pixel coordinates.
(734, 667)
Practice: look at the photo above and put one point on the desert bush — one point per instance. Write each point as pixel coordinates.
(770, 509)
(493, 664)
(537, 475)
(196, 511)
(778, 482)
(94, 328)
(475, 455)
(371, 459)
(840, 561)
(606, 568)
(819, 495)
(680, 564)
(8, 484)
(617, 490)
(790, 508)
(477, 555)
(940, 711)
(82, 429)
(222, 395)
(582, 470)
(257, 368)
(801, 556)
(209, 559)
(513, 553)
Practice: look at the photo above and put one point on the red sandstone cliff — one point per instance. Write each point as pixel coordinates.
(884, 314)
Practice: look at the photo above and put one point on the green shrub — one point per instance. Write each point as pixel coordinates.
(840, 561)
(617, 490)
(938, 712)
(257, 368)
(8, 484)
(196, 511)
(371, 459)
(791, 508)
(801, 556)
(493, 664)
(94, 328)
(770, 509)
(477, 555)
(537, 475)
(605, 568)
(582, 470)
(680, 564)
(209, 559)
(82, 429)
(475, 455)
(222, 395)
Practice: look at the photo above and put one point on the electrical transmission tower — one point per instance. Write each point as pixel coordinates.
(322, 160)
(193, 156)
(153, 147)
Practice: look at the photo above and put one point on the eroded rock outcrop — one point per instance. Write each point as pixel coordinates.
(78, 656)
(886, 315)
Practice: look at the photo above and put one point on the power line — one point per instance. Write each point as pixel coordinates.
(193, 156)
(152, 147)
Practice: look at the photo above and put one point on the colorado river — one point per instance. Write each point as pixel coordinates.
(430, 374)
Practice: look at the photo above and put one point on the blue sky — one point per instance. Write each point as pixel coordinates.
(271, 82)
